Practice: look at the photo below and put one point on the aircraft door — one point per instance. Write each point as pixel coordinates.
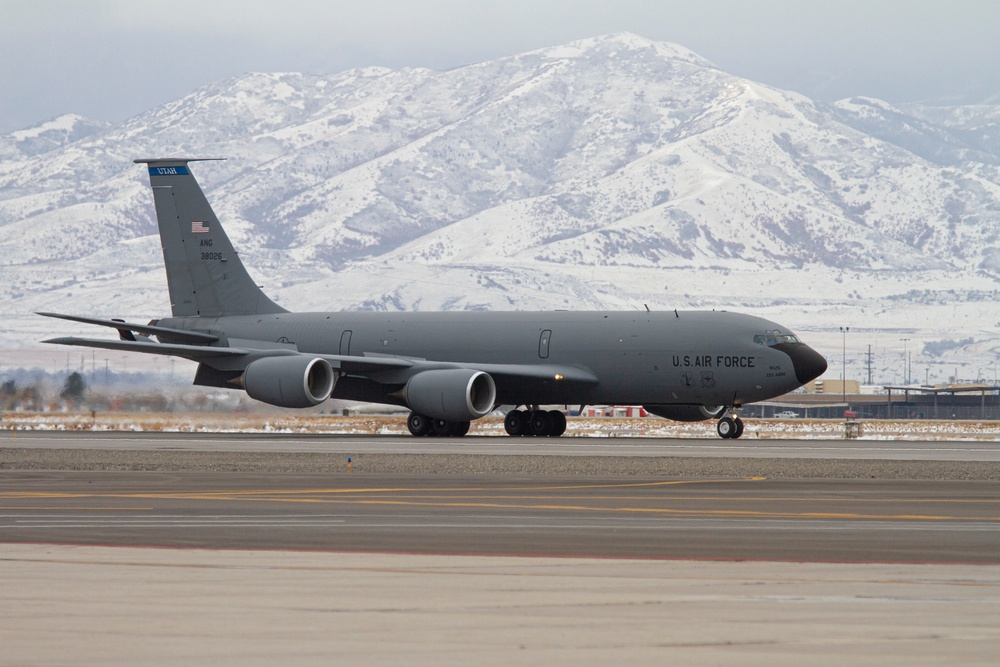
(543, 344)
(345, 343)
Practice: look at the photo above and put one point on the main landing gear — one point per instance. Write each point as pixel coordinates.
(420, 425)
(730, 428)
(535, 423)
(550, 423)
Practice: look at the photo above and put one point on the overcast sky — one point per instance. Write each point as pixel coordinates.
(112, 59)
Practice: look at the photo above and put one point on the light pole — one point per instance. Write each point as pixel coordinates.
(906, 364)
(843, 377)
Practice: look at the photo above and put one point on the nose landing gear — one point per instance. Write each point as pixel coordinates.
(730, 428)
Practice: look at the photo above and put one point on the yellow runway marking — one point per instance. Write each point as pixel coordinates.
(322, 496)
(266, 493)
(74, 508)
(507, 498)
(679, 512)
(303, 492)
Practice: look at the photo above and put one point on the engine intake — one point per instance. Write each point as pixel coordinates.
(453, 395)
(298, 381)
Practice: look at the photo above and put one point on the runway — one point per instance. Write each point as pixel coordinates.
(859, 521)
(121, 489)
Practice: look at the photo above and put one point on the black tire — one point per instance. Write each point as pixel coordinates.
(444, 429)
(558, 420)
(418, 424)
(539, 423)
(461, 429)
(739, 428)
(515, 423)
(726, 428)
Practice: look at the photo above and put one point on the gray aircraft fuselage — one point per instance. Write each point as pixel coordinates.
(688, 357)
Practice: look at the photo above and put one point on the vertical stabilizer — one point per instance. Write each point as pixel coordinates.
(204, 274)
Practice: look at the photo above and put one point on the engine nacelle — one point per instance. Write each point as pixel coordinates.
(686, 413)
(454, 395)
(296, 381)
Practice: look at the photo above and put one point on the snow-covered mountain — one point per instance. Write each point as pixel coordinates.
(49, 136)
(606, 173)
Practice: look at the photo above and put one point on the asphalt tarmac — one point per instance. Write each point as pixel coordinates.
(263, 505)
(859, 521)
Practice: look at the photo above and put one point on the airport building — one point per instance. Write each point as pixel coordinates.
(832, 398)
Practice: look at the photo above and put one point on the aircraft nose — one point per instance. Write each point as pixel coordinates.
(809, 364)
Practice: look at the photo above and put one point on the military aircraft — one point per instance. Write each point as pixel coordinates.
(448, 368)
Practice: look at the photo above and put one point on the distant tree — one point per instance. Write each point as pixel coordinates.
(30, 398)
(8, 394)
(74, 387)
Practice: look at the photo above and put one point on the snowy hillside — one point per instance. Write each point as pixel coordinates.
(613, 172)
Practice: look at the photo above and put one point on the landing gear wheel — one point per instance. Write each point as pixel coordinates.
(739, 428)
(558, 421)
(444, 429)
(726, 428)
(515, 423)
(461, 428)
(539, 423)
(418, 424)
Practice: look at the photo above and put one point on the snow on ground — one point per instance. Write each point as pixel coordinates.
(756, 429)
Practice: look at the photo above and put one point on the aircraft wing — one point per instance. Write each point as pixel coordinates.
(385, 369)
(544, 373)
(396, 370)
(207, 353)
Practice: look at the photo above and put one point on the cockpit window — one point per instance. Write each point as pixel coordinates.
(772, 338)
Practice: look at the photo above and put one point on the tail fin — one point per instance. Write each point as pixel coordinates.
(204, 274)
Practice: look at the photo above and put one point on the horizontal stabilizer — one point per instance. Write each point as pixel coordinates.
(180, 335)
(193, 352)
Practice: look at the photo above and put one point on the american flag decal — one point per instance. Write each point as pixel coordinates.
(199, 227)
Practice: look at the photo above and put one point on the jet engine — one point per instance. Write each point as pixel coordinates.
(297, 381)
(454, 395)
(686, 413)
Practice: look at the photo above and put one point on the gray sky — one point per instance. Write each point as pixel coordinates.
(112, 59)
